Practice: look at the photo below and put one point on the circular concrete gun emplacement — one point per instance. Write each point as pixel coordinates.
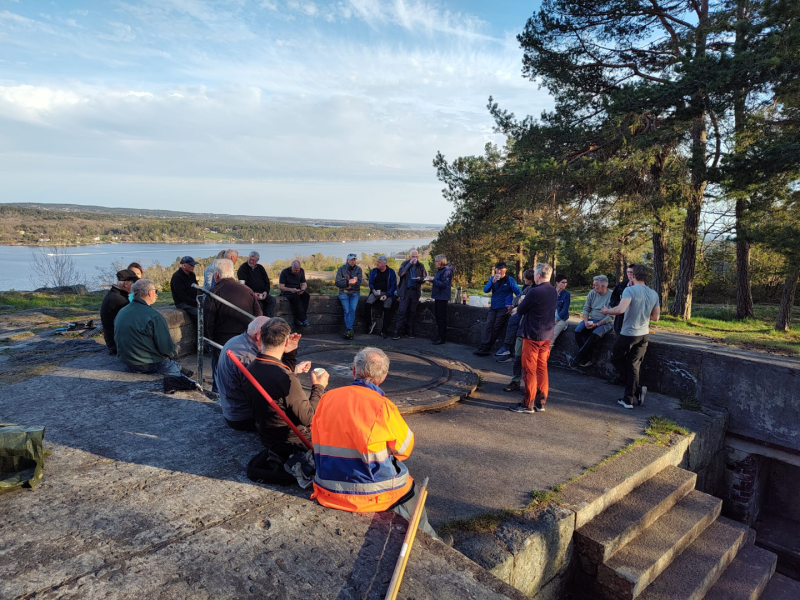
(416, 382)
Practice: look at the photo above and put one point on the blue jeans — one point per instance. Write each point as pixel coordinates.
(349, 304)
(168, 367)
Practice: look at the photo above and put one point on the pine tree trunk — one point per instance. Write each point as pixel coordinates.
(744, 291)
(619, 266)
(784, 320)
(520, 260)
(660, 281)
(682, 306)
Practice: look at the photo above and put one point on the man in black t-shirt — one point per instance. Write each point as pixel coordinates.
(255, 277)
(292, 284)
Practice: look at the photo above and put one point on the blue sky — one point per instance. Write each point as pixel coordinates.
(308, 108)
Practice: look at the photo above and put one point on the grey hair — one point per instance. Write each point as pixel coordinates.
(441, 258)
(602, 279)
(221, 254)
(544, 270)
(382, 258)
(371, 364)
(256, 254)
(296, 262)
(410, 252)
(142, 287)
(255, 326)
(230, 253)
(224, 268)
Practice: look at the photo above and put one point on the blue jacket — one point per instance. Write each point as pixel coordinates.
(392, 281)
(503, 291)
(442, 283)
(539, 313)
(562, 308)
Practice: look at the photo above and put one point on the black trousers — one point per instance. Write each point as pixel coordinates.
(299, 304)
(440, 311)
(243, 425)
(627, 358)
(407, 310)
(377, 309)
(496, 321)
(268, 306)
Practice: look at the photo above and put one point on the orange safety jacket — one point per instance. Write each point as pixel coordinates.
(359, 440)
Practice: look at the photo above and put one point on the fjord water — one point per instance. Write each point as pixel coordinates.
(15, 260)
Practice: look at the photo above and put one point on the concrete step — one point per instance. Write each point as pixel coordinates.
(595, 491)
(746, 577)
(781, 587)
(609, 531)
(697, 569)
(626, 574)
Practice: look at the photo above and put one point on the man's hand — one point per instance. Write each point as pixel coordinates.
(376, 292)
(413, 261)
(178, 349)
(383, 298)
(298, 291)
(292, 342)
(352, 280)
(321, 380)
(605, 311)
(513, 310)
(590, 325)
(495, 278)
(303, 367)
(510, 309)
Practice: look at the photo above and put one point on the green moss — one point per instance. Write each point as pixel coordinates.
(658, 426)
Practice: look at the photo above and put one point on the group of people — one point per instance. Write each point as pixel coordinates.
(533, 317)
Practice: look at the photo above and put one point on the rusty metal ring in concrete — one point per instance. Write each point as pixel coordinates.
(416, 382)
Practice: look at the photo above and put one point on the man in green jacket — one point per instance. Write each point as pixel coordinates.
(144, 344)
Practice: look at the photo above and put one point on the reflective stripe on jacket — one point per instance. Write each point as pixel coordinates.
(360, 440)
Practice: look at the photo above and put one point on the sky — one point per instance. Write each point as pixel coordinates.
(303, 108)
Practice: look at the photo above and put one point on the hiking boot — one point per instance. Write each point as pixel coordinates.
(521, 408)
(512, 387)
(396, 335)
(642, 394)
(350, 334)
(625, 404)
(504, 351)
(506, 358)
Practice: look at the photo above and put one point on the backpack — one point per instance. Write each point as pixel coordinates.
(178, 383)
(267, 467)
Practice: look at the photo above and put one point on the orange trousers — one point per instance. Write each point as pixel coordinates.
(534, 367)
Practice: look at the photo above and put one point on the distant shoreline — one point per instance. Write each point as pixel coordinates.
(211, 243)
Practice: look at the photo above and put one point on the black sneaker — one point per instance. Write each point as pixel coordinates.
(642, 394)
(539, 408)
(625, 404)
(481, 353)
(396, 336)
(383, 336)
(506, 358)
(521, 408)
(411, 335)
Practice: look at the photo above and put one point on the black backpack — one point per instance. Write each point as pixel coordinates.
(178, 383)
(267, 467)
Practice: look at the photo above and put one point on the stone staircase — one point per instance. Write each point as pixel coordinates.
(644, 531)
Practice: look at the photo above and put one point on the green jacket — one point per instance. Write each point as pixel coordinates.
(142, 335)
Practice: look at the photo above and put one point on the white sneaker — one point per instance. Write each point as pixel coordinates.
(625, 404)
(642, 394)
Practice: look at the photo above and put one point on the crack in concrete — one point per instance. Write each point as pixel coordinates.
(143, 552)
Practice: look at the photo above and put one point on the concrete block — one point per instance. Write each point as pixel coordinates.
(696, 570)
(746, 577)
(486, 550)
(609, 531)
(781, 587)
(640, 562)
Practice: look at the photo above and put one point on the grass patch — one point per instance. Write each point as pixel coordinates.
(22, 335)
(482, 523)
(658, 426)
(692, 404)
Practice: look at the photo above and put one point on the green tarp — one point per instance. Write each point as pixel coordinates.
(21, 456)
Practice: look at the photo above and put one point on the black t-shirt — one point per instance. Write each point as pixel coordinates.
(291, 280)
(381, 280)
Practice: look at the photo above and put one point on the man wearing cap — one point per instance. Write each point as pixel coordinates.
(114, 301)
(183, 294)
(348, 280)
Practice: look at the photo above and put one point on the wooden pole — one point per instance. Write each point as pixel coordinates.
(405, 549)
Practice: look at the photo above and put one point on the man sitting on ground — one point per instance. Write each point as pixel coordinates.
(503, 288)
(236, 407)
(292, 283)
(382, 287)
(594, 324)
(221, 322)
(412, 274)
(283, 386)
(183, 294)
(640, 305)
(256, 278)
(144, 344)
(360, 441)
(114, 301)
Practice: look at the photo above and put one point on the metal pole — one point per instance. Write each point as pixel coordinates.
(225, 302)
(200, 298)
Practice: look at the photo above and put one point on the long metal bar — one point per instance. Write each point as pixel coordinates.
(405, 549)
(225, 302)
(200, 338)
(212, 343)
(269, 399)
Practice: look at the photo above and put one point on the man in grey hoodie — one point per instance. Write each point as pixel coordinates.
(348, 280)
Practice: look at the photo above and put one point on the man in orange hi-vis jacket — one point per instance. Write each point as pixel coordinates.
(360, 441)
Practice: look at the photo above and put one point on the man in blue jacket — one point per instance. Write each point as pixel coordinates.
(503, 288)
(382, 287)
(442, 289)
